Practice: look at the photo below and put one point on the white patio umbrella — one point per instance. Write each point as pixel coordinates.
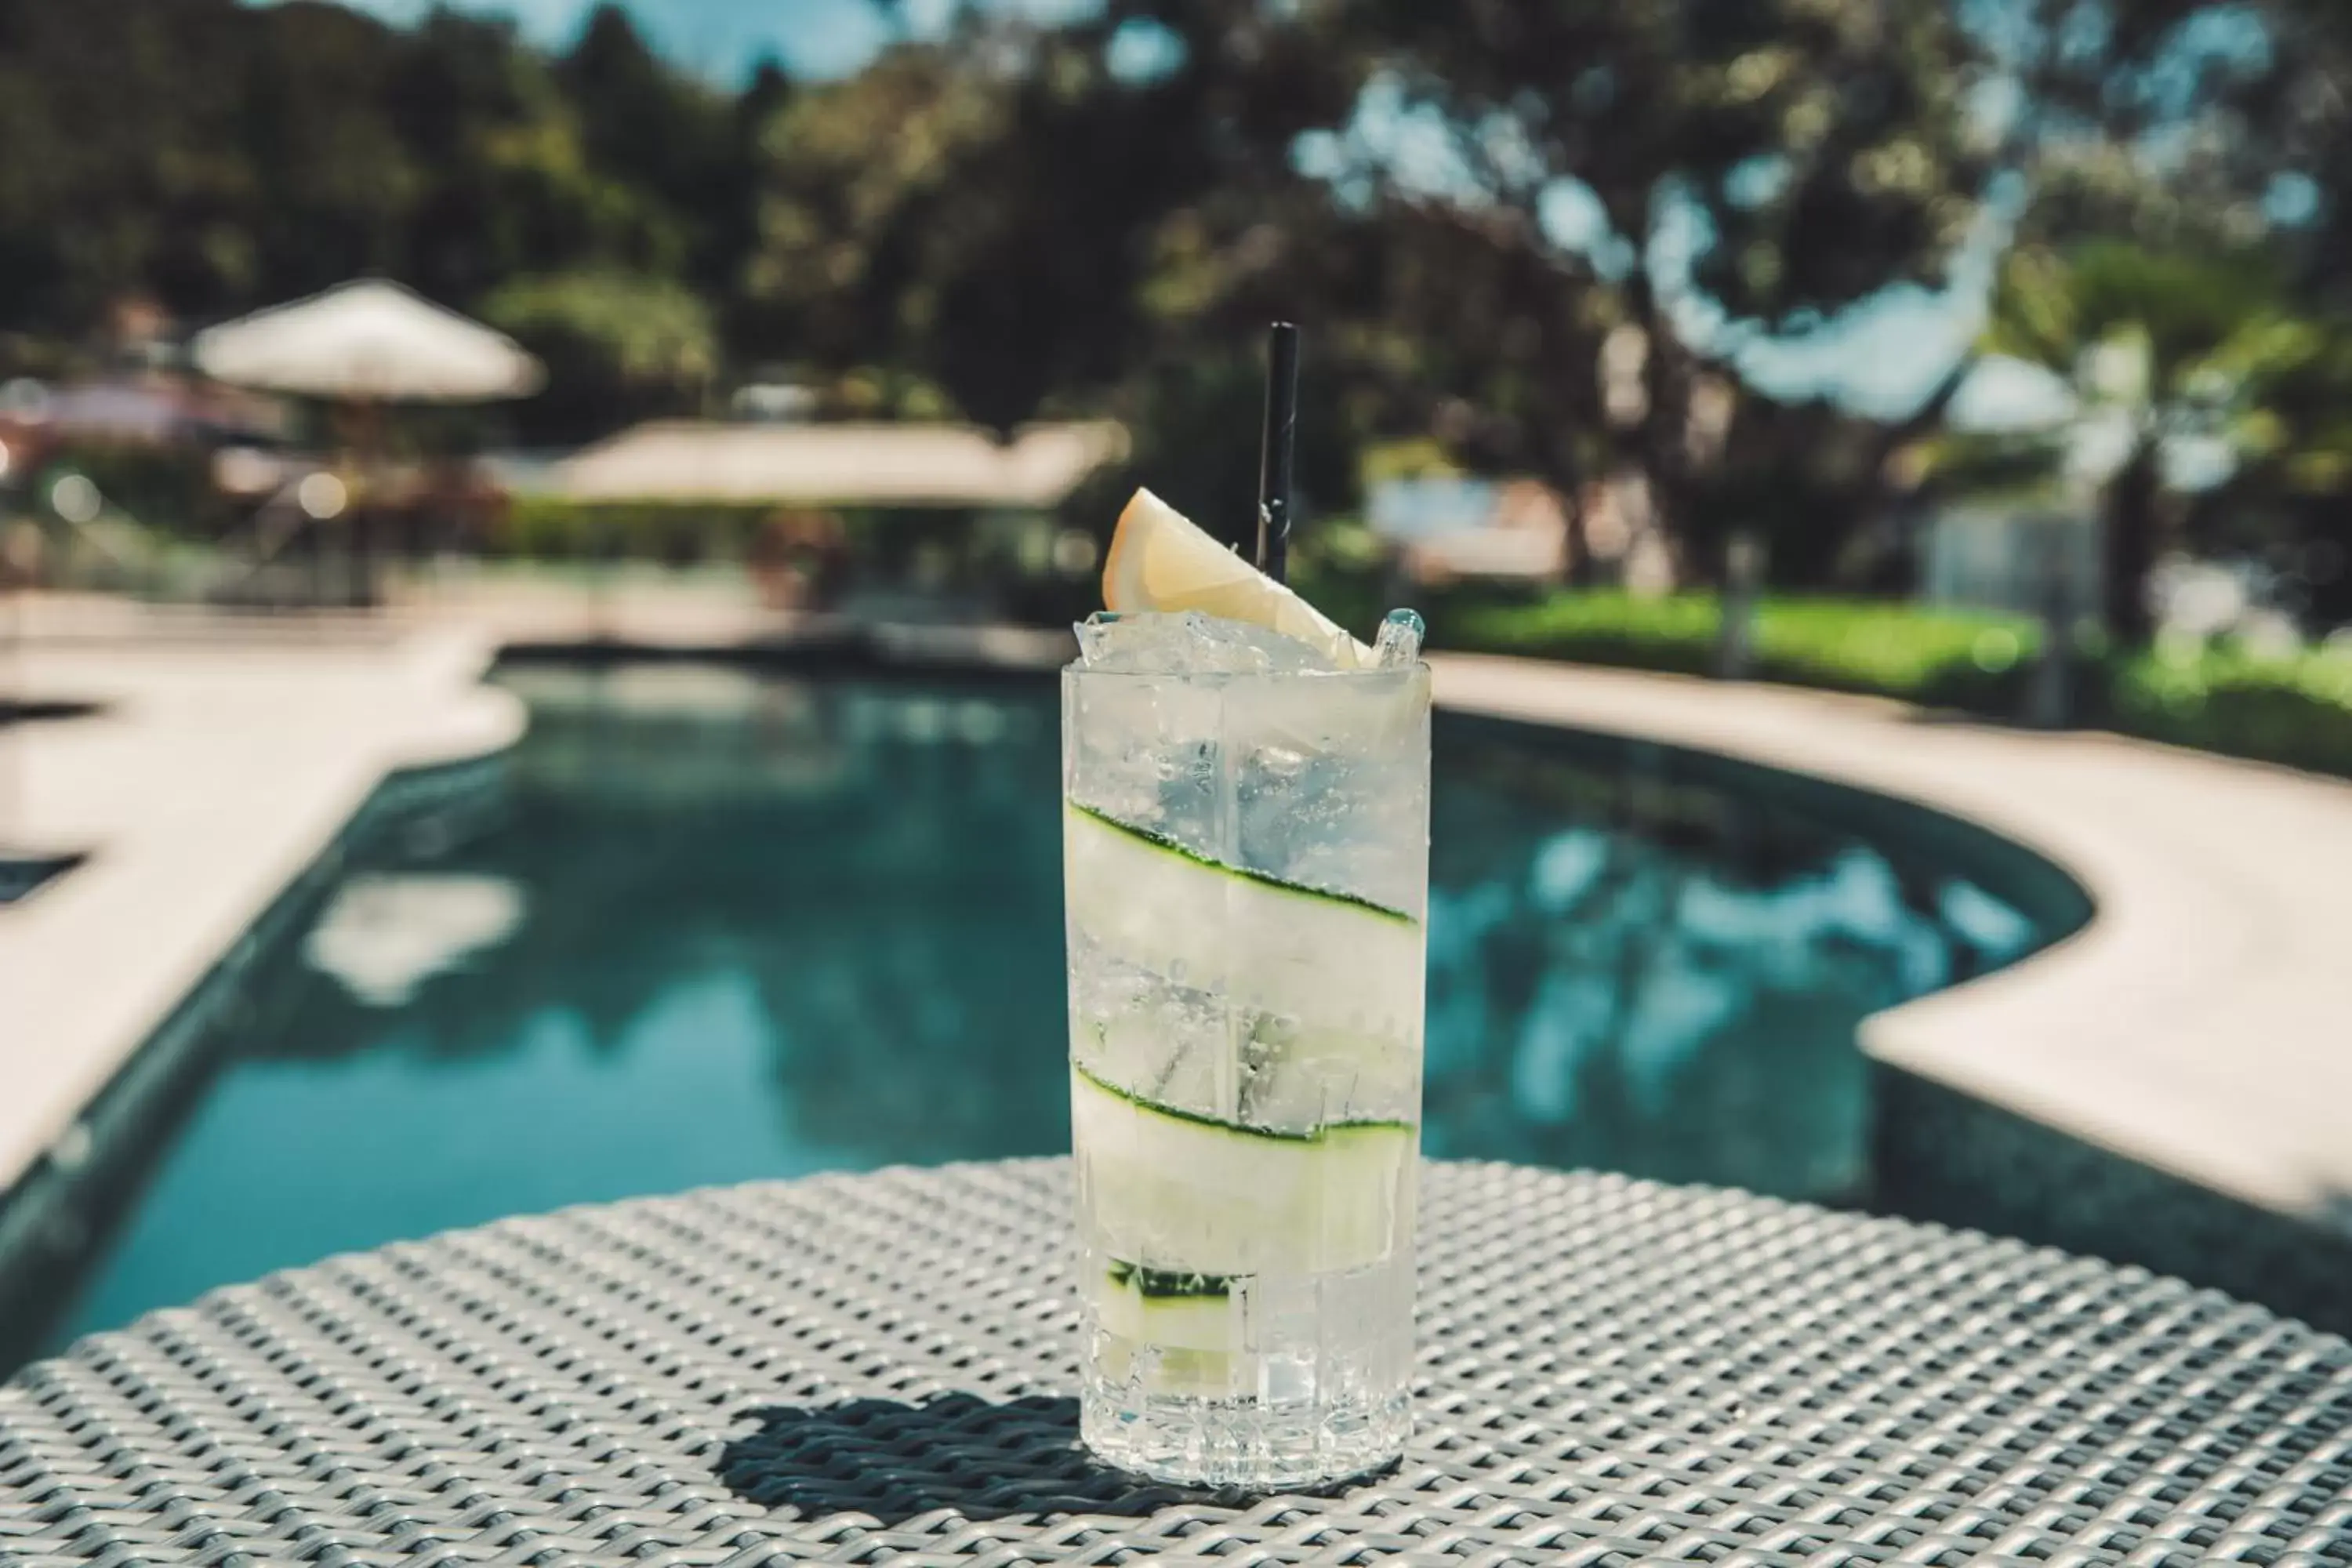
(368, 341)
(364, 344)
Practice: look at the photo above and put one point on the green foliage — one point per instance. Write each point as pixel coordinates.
(162, 488)
(1005, 218)
(2210, 353)
(1825, 140)
(616, 345)
(1825, 149)
(220, 157)
(551, 529)
(2293, 710)
(1943, 657)
(2199, 330)
(1004, 557)
(1940, 657)
(638, 329)
(1676, 633)
(992, 224)
(1343, 571)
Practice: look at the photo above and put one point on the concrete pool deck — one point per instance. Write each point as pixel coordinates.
(2197, 1025)
(215, 772)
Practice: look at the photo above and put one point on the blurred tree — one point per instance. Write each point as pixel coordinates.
(994, 211)
(2174, 80)
(1467, 325)
(664, 136)
(2180, 128)
(1548, 233)
(615, 343)
(2178, 367)
(1712, 170)
(2289, 137)
(218, 157)
(119, 165)
(853, 172)
(2288, 506)
(512, 185)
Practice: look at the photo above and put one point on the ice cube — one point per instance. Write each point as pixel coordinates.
(1100, 638)
(1148, 643)
(1400, 639)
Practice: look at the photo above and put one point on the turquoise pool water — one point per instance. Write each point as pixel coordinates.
(729, 926)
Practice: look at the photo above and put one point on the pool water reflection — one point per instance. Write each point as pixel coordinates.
(734, 926)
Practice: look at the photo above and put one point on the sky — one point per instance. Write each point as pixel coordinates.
(1880, 358)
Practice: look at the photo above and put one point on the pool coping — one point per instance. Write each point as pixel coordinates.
(2192, 1025)
(212, 777)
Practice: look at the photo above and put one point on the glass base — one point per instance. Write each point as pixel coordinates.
(1245, 1443)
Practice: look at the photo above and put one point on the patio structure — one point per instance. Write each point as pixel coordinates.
(871, 465)
(862, 1369)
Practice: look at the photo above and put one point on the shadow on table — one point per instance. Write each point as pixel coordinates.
(896, 1461)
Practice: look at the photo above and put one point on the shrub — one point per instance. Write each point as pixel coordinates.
(1945, 657)
(548, 528)
(2294, 709)
(168, 489)
(1949, 658)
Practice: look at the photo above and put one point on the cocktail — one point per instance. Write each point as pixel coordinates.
(1246, 831)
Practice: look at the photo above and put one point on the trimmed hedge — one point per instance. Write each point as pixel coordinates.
(1944, 658)
(546, 528)
(2294, 709)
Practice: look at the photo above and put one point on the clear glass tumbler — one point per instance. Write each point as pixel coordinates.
(1245, 861)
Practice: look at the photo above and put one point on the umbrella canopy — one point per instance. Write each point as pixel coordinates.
(370, 340)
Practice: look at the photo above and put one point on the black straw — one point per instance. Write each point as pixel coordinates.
(1277, 454)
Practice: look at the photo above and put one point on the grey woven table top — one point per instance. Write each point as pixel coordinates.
(871, 1369)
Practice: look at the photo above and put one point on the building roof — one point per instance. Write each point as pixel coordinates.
(846, 465)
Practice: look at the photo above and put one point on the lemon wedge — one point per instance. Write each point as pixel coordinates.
(1161, 560)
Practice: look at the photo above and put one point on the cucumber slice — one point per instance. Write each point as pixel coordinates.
(1333, 963)
(1182, 1340)
(1127, 1305)
(1176, 1194)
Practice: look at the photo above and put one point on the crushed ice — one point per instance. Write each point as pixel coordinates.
(1190, 643)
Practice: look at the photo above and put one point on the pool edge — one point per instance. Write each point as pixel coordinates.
(2056, 1041)
(2188, 1025)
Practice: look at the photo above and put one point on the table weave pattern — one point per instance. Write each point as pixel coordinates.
(876, 1369)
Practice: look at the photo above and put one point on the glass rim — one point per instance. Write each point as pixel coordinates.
(1080, 669)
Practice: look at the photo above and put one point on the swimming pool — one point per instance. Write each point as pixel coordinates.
(728, 925)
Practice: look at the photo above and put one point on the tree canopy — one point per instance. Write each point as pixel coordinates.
(1549, 234)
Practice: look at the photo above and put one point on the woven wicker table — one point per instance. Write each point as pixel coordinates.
(872, 1369)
